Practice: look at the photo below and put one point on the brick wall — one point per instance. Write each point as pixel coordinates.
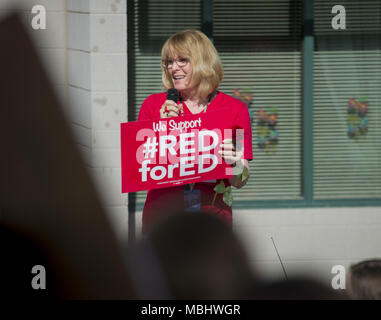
(50, 43)
(97, 86)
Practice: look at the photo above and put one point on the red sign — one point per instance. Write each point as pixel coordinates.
(174, 151)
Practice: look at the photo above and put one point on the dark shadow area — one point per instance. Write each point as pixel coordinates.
(46, 193)
(296, 288)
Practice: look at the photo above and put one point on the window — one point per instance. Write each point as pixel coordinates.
(259, 43)
(300, 82)
(347, 64)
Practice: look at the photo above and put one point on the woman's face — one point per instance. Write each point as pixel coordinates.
(179, 69)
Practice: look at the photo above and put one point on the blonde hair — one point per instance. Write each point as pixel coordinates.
(206, 67)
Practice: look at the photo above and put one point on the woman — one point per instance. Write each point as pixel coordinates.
(190, 64)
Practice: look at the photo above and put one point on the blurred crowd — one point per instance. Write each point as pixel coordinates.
(198, 256)
(184, 256)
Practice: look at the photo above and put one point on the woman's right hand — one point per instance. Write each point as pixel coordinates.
(170, 109)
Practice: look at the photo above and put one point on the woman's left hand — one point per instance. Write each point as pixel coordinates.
(233, 155)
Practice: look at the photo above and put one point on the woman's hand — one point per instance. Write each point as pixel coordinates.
(233, 155)
(236, 179)
(170, 109)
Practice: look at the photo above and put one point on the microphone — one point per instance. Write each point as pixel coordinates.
(173, 94)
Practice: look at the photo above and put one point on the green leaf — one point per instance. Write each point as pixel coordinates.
(220, 188)
(245, 174)
(228, 196)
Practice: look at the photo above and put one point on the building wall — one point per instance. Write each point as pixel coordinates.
(51, 42)
(311, 240)
(97, 88)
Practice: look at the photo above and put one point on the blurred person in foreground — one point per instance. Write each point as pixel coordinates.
(192, 256)
(191, 65)
(364, 280)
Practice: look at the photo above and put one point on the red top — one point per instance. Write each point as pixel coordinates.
(173, 197)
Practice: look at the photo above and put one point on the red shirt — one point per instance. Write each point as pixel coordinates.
(160, 201)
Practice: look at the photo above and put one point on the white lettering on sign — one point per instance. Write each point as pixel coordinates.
(184, 164)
